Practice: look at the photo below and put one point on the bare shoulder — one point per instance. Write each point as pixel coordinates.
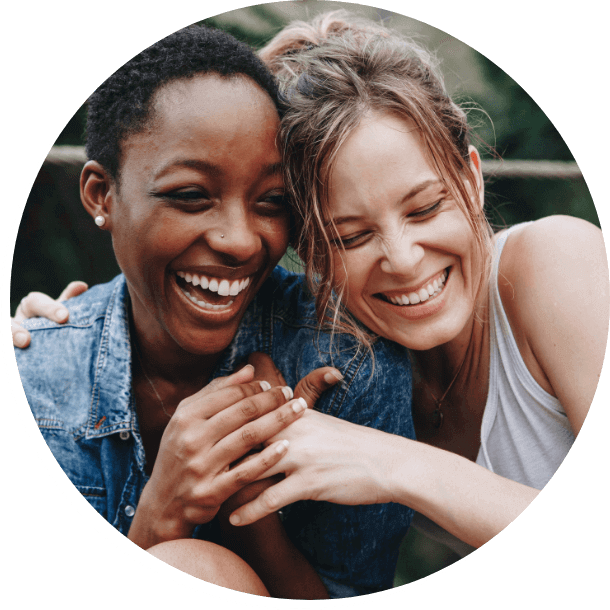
(552, 242)
(554, 286)
(550, 257)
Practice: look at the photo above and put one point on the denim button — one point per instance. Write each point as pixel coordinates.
(130, 511)
(124, 435)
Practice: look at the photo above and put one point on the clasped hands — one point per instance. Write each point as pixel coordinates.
(201, 465)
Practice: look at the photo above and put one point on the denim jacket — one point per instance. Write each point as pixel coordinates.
(77, 379)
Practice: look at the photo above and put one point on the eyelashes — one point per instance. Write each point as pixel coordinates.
(362, 238)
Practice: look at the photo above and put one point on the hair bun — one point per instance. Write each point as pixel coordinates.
(300, 36)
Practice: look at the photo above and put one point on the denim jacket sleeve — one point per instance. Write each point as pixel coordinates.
(354, 548)
(77, 381)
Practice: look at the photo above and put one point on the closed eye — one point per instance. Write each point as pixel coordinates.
(351, 242)
(189, 200)
(422, 213)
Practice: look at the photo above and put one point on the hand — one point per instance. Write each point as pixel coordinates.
(328, 459)
(39, 304)
(310, 388)
(208, 433)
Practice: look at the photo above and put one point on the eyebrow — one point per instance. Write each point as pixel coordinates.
(422, 186)
(211, 169)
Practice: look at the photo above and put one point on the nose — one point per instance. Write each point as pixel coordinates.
(401, 254)
(234, 236)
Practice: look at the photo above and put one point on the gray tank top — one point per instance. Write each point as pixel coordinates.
(525, 433)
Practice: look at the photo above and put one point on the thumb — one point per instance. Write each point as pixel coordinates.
(265, 369)
(312, 385)
(73, 289)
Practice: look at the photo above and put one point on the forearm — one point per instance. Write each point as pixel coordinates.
(464, 498)
(265, 546)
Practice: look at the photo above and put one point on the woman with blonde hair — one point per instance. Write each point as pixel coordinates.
(506, 332)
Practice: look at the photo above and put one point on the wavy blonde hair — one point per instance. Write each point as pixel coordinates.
(333, 71)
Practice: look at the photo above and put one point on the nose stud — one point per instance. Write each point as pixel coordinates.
(222, 235)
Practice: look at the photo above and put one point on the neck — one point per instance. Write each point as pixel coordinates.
(175, 373)
(463, 354)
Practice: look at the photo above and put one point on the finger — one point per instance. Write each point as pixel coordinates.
(266, 369)
(42, 305)
(233, 446)
(21, 337)
(270, 501)
(315, 383)
(73, 289)
(254, 469)
(241, 376)
(249, 409)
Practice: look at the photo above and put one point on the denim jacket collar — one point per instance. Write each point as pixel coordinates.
(112, 407)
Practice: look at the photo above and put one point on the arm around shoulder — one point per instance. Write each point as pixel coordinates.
(554, 287)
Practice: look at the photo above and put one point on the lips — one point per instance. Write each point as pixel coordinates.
(430, 290)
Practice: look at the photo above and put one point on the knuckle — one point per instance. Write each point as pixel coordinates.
(242, 476)
(282, 416)
(248, 409)
(249, 436)
(270, 499)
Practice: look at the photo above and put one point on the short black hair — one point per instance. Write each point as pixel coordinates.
(121, 105)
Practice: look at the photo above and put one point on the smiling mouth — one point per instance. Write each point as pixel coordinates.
(426, 293)
(216, 294)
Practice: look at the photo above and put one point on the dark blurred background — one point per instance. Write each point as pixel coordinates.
(58, 242)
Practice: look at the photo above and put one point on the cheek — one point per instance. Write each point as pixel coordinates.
(275, 234)
(351, 272)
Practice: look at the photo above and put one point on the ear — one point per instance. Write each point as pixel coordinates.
(475, 164)
(97, 192)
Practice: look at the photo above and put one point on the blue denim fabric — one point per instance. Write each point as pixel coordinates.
(77, 379)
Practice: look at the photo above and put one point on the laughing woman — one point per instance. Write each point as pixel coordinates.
(390, 199)
(134, 395)
(389, 202)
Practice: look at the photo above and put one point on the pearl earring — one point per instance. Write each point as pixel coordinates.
(100, 221)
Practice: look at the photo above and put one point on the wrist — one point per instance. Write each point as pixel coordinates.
(149, 527)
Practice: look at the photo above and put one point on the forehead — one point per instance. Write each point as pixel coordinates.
(382, 157)
(207, 115)
(210, 96)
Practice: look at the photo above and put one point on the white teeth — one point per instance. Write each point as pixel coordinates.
(223, 288)
(207, 305)
(423, 294)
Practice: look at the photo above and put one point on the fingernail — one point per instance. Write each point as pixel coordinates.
(299, 405)
(333, 376)
(265, 385)
(20, 339)
(61, 313)
(235, 519)
(288, 393)
(282, 446)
